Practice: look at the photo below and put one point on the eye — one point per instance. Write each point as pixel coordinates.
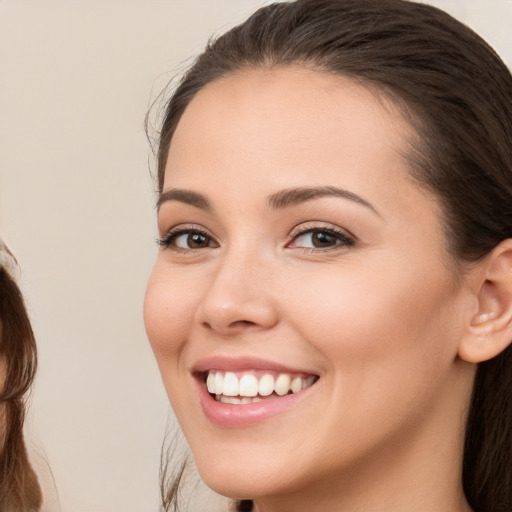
(185, 239)
(321, 238)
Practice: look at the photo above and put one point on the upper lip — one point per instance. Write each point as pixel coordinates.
(244, 363)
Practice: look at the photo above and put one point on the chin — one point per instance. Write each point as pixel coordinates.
(232, 485)
(241, 479)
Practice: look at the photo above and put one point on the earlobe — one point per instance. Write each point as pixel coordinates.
(490, 329)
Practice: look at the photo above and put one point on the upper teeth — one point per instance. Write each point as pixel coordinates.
(248, 385)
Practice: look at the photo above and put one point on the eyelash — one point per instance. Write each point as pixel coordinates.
(341, 236)
(171, 236)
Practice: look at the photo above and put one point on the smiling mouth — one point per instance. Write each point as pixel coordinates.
(252, 386)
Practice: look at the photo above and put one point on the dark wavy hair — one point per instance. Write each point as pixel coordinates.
(19, 488)
(457, 95)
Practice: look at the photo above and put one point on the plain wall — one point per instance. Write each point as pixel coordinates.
(76, 207)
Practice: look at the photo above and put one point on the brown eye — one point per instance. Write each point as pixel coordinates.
(321, 239)
(195, 240)
(188, 240)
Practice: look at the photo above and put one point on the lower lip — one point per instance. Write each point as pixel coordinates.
(245, 415)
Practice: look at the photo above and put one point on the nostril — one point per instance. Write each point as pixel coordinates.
(237, 324)
(242, 323)
(215, 314)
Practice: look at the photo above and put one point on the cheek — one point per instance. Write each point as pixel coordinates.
(168, 313)
(389, 347)
(377, 323)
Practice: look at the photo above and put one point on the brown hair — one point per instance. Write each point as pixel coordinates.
(458, 94)
(19, 489)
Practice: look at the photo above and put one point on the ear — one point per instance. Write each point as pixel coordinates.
(490, 328)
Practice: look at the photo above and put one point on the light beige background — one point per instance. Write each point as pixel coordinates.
(76, 207)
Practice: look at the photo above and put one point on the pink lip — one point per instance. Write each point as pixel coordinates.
(243, 415)
(243, 363)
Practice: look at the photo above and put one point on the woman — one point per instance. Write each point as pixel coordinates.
(19, 489)
(331, 307)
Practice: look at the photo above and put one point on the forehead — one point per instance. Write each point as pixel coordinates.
(259, 131)
(262, 117)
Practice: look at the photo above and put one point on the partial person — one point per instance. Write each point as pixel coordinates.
(331, 304)
(19, 487)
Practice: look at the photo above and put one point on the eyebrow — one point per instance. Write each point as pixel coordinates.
(294, 196)
(282, 199)
(184, 196)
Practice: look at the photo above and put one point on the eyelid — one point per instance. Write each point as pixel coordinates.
(318, 225)
(171, 234)
(347, 238)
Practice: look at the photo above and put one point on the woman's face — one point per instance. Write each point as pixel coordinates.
(299, 259)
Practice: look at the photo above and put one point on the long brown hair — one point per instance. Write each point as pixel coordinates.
(457, 94)
(19, 489)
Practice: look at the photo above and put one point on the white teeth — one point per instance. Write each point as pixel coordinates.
(296, 385)
(266, 385)
(210, 383)
(219, 383)
(228, 388)
(308, 382)
(229, 400)
(248, 386)
(237, 401)
(282, 385)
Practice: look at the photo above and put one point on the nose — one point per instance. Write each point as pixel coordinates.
(239, 298)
